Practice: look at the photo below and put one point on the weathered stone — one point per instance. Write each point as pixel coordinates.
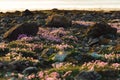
(1, 65)
(15, 66)
(26, 13)
(60, 56)
(30, 29)
(90, 75)
(58, 21)
(100, 29)
(30, 70)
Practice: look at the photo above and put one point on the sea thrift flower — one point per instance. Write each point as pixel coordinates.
(112, 57)
(95, 65)
(67, 74)
(41, 74)
(27, 38)
(54, 75)
(57, 65)
(53, 34)
(20, 36)
(73, 38)
(32, 76)
(49, 78)
(116, 65)
(37, 46)
(20, 75)
(62, 46)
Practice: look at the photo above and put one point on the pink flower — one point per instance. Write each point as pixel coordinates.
(62, 46)
(21, 36)
(20, 75)
(116, 65)
(49, 78)
(102, 64)
(67, 73)
(52, 34)
(55, 75)
(31, 76)
(41, 74)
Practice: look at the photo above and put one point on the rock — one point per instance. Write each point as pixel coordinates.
(58, 21)
(1, 65)
(54, 9)
(30, 70)
(47, 52)
(30, 29)
(26, 13)
(60, 56)
(5, 19)
(16, 66)
(40, 16)
(88, 75)
(96, 55)
(100, 29)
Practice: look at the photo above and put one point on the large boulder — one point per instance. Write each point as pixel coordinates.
(29, 29)
(26, 13)
(58, 21)
(102, 29)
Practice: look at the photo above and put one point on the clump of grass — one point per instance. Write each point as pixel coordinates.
(15, 44)
(26, 53)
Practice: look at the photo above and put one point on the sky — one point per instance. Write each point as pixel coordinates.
(12, 5)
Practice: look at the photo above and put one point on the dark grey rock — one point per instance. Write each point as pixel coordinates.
(58, 21)
(30, 70)
(101, 29)
(30, 29)
(88, 75)
(26, 13)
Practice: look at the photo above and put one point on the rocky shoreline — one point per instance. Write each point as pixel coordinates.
(60, 45)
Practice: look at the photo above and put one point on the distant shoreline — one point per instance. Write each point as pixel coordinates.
(86, 9)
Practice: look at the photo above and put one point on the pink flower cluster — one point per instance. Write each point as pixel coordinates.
(116, 25)
(32, 76)
(95, 64)
(37, 46)
(20, 36)
(62, 46)
(52, 34)
(116, 66)
(73, 38)
(112, 56)
(51, 76)
(57, 65)
(42, 75)
(100, 65)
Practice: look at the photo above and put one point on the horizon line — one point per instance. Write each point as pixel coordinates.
(88, 9)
